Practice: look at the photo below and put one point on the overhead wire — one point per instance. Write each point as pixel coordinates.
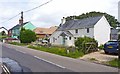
(27, 11)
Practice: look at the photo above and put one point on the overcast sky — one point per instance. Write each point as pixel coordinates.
(51, 13)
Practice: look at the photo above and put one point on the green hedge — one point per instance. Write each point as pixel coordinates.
(83, 42)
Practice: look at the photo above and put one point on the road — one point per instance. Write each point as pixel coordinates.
(30, 63)
(38, 61)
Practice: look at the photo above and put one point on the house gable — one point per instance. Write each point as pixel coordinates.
(29, 25)
(102, 31)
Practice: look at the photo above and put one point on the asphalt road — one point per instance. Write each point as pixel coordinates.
(30, 63)
(38, 61)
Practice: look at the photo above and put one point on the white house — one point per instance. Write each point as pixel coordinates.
(94, 27)
(3, 29)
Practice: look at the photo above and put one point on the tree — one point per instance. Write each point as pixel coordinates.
(27, 36)
(111, 19)
(3, 33)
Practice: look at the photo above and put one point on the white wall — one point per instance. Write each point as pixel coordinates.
(83, 32)
(2, 29)
(58, 38)
(102, 31)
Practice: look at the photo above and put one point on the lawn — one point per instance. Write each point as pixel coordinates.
(114, 63)
(59, 51)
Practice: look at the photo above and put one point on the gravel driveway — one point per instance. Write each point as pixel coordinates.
(99, 56)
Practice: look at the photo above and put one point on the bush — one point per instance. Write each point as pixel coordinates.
(27, 36)
(101, 47)
(83, 42)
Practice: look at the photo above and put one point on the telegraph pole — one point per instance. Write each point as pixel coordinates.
(22, 17)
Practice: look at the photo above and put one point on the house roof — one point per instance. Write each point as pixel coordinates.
(80, 23)
(3, 28)
(66, 33)
(45, 30)
(18, 25)
(114, 31)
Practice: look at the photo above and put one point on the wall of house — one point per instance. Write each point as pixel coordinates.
(83, 32)
(2, 29)
(15, 32)
(102, 31)
(70, 42)
(55, 39)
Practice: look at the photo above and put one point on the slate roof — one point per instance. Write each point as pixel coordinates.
(80, 23)
(114, 31)
(66, 33)
(3, 28)
(18, 25)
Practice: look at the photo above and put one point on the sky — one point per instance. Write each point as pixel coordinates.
(51, 13)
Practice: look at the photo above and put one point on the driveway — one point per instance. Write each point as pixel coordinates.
(100, 56)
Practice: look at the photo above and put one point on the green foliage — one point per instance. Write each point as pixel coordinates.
(82, 42)
(114, 63)
(111, 19)
(19, 44)
(3, 33)
(101, 47)
(27, 36)
(58, 50)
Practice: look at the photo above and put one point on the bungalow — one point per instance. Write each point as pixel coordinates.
(14, 32)
(95, 27)
(42, 33)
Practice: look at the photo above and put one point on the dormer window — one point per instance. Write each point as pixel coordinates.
(76, 31)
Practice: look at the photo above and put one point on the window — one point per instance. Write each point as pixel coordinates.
(76, 31)
(87, 30)
(53, 39)
(69, 38)
(75, 38)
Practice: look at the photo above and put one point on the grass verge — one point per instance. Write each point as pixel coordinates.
(59, 51)
(114, 63)
(19, 44)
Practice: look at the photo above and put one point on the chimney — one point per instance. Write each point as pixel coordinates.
(21, 19)
(63, 21)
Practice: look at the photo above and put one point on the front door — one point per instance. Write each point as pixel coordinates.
(63, 40)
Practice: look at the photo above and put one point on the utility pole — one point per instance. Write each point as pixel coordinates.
(22, 17)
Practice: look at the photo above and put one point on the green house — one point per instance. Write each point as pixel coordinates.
(15, 31)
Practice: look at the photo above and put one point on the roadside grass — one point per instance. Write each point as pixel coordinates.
(19, 44)
(93, 59)
(114, 63)
(59, 51)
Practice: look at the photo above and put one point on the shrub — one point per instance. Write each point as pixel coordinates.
(101, 47)
(83, 42)
(27, 36)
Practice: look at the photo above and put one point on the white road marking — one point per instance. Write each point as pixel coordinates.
(20, 51)
(49, 62)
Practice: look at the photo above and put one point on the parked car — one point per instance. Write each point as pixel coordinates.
(111, 47)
